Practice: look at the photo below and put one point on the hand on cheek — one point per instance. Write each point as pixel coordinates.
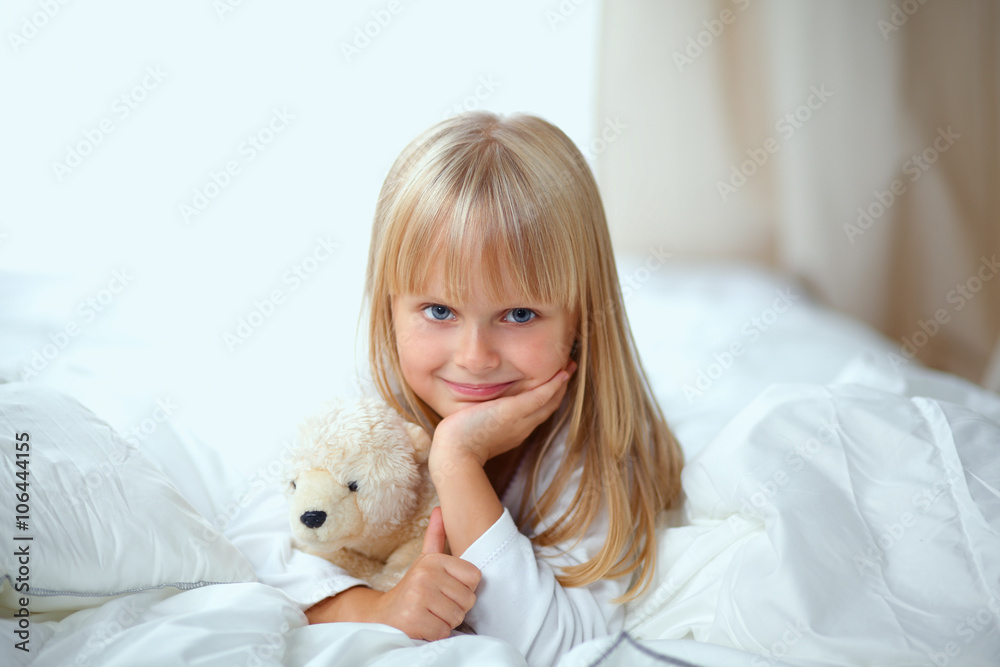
(490, 428)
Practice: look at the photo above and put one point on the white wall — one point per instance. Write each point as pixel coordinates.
(221, 76)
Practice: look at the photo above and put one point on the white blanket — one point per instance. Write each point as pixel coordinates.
(851, 518)
(841, 524)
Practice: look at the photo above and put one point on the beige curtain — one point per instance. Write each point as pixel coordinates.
(855, 144)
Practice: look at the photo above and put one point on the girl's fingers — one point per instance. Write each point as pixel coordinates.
(503, 423)
(530, 408)
(543, 394)
(464, 573)
(460, 595)
(434, 537)
(451, 598)
(453, 570)
(447, 611)
(434, 628)
(430, 600)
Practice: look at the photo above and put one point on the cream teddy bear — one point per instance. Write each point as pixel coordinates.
(359, 491)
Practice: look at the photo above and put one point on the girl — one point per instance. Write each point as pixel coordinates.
(496, 322)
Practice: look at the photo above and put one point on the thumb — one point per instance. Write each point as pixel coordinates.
(434, 538)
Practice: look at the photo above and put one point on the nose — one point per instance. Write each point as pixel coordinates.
(313, 519)
(476, 352)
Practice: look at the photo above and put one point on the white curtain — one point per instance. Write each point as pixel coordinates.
(855, 144)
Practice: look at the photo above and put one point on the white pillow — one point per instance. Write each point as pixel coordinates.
(103, 521)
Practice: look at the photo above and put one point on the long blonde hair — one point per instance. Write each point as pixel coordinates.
(515, 198)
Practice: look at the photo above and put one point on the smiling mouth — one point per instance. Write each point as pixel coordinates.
(478, 390)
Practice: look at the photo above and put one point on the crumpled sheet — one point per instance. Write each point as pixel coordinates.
(856, 523)
(253, 624)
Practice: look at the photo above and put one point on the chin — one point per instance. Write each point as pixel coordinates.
(456, 404)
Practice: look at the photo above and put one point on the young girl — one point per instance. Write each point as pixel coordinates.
(496, 321)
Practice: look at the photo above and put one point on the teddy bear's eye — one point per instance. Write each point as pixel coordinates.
(352, 486)
(293, 485)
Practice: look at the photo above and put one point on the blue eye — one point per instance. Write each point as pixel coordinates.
(522, 315)
(438, 312)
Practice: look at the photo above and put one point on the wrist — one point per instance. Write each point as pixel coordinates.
(355, 604)
(469, 505)
(447, 458)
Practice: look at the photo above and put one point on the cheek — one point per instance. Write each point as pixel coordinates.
(407, 342)
(542, 356)
(417, 355)
(407, 367)
(412, 372)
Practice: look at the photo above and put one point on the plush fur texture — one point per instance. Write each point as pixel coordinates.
(359, 491)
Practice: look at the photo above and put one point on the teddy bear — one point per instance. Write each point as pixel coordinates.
(359, 491)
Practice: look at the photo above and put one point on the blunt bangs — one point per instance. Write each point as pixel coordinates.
(480, 216)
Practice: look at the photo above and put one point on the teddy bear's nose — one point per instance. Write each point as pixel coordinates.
(313, 519)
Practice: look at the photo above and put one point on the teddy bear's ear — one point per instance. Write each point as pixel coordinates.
(421, 441)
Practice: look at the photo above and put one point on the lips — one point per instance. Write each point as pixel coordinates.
(478, 390)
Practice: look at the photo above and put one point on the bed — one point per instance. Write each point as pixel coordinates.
(842, 504)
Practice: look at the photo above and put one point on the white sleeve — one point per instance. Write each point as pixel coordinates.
(520, 600)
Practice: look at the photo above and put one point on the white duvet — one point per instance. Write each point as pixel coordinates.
(852, 519)
(841, 524)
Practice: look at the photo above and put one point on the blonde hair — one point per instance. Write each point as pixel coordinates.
(515, 198)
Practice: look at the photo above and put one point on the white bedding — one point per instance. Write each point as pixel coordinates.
(840, 524)
(839, 510)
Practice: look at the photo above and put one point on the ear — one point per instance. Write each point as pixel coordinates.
(421, 442)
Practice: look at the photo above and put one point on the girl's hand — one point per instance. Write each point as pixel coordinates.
(434, 595)
(490, 428)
